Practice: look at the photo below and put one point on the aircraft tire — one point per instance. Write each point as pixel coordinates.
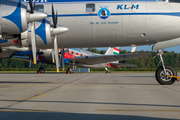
(70, 70)
(41, 70)
(162, 79)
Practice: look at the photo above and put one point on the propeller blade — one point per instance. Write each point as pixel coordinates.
(56, 18)
(34, 7)
(31, 6)
(56, 53)
(53, 56)
(53, 17)
(33, 41)
(62, 54)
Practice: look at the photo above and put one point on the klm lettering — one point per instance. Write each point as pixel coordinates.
(126, 7)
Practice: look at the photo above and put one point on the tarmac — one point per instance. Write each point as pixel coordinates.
(87, 96)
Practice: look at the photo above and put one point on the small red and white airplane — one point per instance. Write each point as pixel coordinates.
(76, 57)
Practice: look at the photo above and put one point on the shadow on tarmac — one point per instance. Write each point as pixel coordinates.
(35, 73)
(133, 76)
(24, 82)
(77, 102)
(70, 116)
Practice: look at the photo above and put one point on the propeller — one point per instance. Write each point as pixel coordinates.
(56, 52)
(33, 34)
(57, 29)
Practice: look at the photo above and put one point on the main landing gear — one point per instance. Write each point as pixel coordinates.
(165, 74)
(71, 69)
(42, 69)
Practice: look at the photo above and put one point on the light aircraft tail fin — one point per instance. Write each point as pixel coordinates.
(113, 51)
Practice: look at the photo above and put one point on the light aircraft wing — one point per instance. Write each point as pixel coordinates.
(90, 60)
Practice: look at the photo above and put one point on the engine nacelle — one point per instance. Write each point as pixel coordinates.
(13, 19)
(43, 33)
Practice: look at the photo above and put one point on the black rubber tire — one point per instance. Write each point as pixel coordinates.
(70, 71)
(159, 78)
(41, 70)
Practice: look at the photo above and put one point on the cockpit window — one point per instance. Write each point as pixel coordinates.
(39, 8)
(90, 7)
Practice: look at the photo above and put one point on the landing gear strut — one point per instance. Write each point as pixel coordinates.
(165, 74)
(107, 71)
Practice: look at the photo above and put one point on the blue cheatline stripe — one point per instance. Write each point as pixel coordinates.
(94, 1)
(168, 14)
(116, 14)
(74, 15)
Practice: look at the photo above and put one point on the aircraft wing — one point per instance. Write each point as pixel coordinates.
(90, 60)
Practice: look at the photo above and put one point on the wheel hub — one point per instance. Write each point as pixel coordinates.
(165, 78)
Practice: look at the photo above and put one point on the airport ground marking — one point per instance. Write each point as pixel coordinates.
(39, 95)
(131, 110)
(60, 80)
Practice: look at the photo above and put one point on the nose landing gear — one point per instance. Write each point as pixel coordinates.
(165, 74)
(165, 78)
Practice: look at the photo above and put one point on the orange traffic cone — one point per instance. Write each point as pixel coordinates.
(67, 72)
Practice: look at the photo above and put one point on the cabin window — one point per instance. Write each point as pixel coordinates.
(90, 7)
(39, 8)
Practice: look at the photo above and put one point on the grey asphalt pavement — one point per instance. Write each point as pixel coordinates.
(87, 96)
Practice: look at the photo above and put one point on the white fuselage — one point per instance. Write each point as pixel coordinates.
(145, 24)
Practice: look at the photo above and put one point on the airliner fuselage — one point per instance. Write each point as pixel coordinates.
(115, 23)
